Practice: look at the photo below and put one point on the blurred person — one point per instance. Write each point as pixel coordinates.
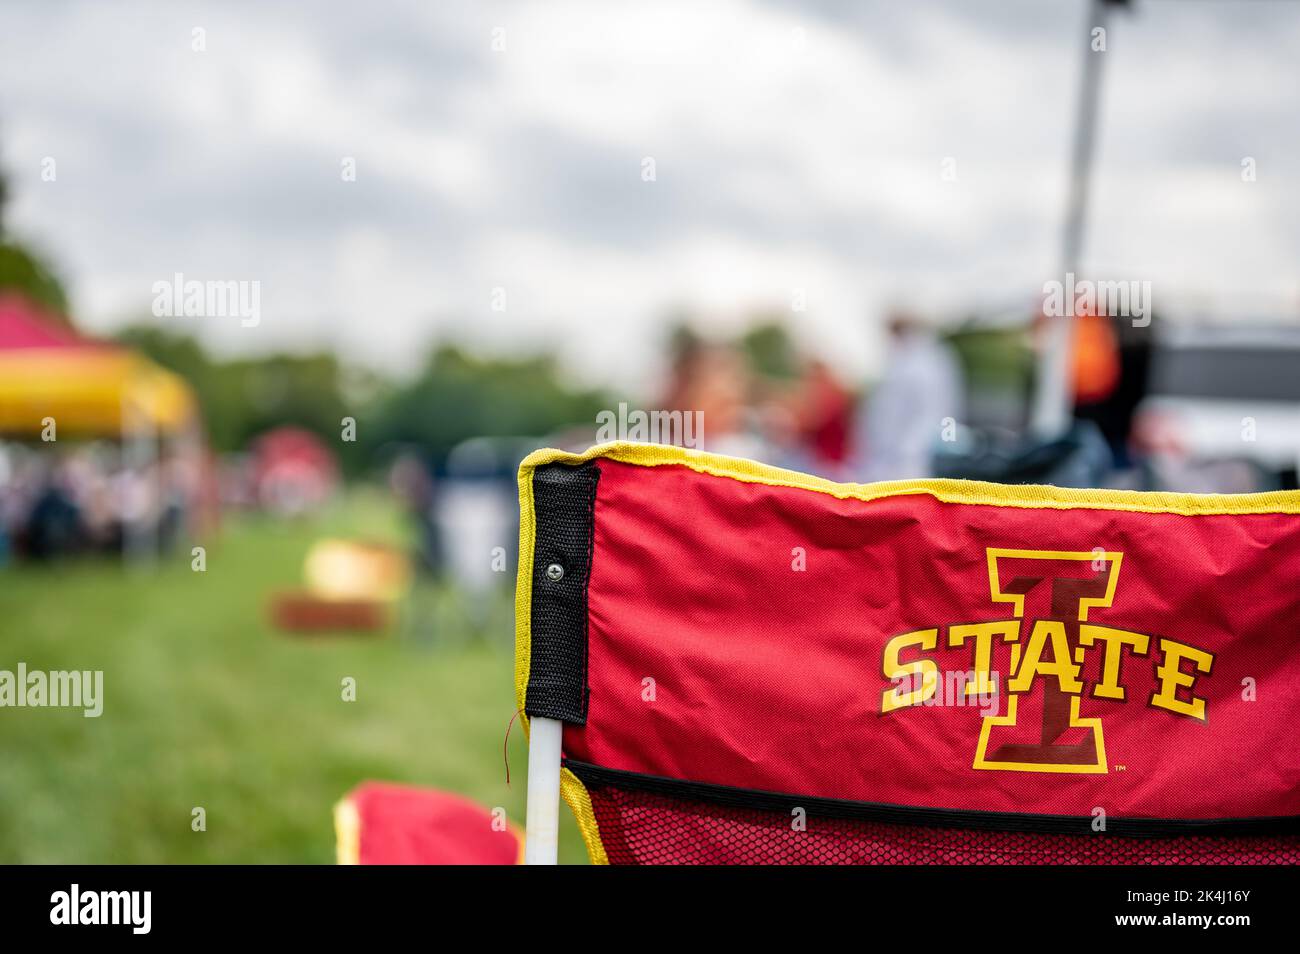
(1094, 360)
(920, 389)
(716, 380)
(176, 488)
(411, 482)
(1109, 387)
(824, 411)
(1110, 362)
(6, 494)
(89, 469)
(294, 471)
(778, 423)
(18, 493)
(103, 523)
(54, 526)
(685, 351)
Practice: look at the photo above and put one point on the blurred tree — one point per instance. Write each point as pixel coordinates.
(459, 395)
(993, 358)
(997, 367)
(245, 397)
(772, 351)
(455, 397)
(24, 272)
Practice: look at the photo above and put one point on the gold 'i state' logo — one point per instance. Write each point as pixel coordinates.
(1051, 593)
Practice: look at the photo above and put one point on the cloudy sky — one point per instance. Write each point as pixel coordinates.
(798, 148)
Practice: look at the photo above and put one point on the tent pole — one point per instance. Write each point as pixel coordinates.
(1053, 401)
(542, 837)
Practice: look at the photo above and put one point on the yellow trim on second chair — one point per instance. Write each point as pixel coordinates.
(347, 832)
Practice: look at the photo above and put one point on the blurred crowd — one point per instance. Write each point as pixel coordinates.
(87, 498)
(816, 422)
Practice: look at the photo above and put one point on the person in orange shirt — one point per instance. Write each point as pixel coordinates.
(1109, 369)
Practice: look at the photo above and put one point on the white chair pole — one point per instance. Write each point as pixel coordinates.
(542, 835)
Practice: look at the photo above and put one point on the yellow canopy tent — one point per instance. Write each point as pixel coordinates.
(55, 384)
(48, 371)
(90, 391)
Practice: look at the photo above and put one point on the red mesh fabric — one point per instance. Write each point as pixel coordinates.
(644, 828)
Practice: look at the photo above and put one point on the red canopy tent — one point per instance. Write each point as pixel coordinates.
(24, 325)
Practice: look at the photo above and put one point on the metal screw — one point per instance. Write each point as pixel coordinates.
(555, 572)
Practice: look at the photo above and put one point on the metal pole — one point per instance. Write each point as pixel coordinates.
(1053, 401)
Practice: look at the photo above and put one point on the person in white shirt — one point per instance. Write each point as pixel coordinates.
(918, 395)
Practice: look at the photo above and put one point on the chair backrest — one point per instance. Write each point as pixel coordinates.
(758, 666)
(382, 823)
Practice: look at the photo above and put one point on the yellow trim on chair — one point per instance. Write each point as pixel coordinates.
(576, 797)
(524, 583)
(945, 490)
(347, 832)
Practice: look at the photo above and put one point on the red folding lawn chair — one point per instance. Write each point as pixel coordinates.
(723, 662)
(380, 823)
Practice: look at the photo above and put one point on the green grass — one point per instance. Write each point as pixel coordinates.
(206, 705)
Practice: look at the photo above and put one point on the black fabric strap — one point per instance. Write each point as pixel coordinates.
(564, 505)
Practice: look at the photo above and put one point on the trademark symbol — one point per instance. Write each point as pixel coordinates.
(1121, 768)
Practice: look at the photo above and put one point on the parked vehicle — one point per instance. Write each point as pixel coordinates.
(1224, 404)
